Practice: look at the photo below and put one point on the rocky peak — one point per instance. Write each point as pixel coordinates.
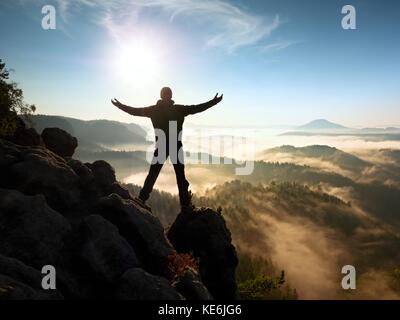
(56, 210)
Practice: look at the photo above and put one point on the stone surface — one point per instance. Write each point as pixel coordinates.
(39, 171)
(30, 230)
(104, 173)
(143, 231)
(204, 232)
(19, 281)
(55, 210)
(107, 254)
(137, 284)
(190, 286)
(59, 141)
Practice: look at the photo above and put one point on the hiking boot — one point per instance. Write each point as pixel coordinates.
(141, 203)
(187, 206)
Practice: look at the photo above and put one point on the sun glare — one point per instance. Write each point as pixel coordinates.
(136, 63)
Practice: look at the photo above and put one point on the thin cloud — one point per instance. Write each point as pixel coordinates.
(225, 25)
(272, 47)
(232, 26)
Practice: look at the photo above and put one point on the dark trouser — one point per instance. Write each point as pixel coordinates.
(155, 168)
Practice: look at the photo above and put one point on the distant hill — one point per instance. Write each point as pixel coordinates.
(324, 153)
(94, 133)
(392, 154)
(381, 130)
(320, 124)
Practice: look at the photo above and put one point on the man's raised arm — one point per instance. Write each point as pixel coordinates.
(140, 112)
(203, 106)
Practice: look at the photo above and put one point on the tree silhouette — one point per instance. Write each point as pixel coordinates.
(11, 103)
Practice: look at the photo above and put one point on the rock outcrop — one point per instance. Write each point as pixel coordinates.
(19, 282)
(59, 141)
(190, 286)
(25, 136)
(143, 231)
(31, 231)
(104, 250)
(204, 233)
(56, 210)
(137, 284)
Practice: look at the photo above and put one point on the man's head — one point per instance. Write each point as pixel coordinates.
(166, 93)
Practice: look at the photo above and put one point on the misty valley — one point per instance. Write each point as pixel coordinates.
(217, 158)
(305, 211)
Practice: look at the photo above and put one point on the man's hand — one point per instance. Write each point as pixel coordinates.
(217, 99)
(116, 103)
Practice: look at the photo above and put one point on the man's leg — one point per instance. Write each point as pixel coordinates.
(151, 178)
(183, 184)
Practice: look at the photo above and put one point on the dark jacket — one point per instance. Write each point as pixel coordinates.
(165, 111)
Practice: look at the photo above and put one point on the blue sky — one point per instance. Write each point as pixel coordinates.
(277, 62)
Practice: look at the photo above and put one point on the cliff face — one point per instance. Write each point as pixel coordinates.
(56, 210)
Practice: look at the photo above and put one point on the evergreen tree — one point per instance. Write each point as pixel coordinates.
(11, 103)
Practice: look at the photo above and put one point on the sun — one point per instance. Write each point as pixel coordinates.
(136, 62)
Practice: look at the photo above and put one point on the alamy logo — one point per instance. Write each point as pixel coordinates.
(49, 20)
(349, 280)
(349, 20)
(49, 280)
(216, 146)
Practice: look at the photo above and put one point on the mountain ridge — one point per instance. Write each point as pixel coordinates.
(320, 124)
(92, 134)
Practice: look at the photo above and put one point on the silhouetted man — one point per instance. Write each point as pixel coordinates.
(164, 116)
